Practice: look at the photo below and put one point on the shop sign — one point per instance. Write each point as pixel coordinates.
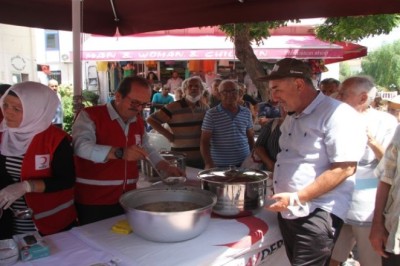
(140, 55)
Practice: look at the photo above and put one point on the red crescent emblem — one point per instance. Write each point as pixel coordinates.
(44, 159)
(257, 229)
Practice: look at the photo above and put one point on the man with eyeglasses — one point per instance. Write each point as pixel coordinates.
(108, 141)
(227, 132)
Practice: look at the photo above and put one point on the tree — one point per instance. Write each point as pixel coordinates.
(383, 65)
(242, 35)
(333, 29)
(66, 91)
(344, 71)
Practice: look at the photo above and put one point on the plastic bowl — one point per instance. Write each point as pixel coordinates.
(8, 252)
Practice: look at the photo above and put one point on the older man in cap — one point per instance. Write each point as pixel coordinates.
(394, 107)
(321, 143)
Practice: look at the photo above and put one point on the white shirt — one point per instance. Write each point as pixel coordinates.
(327, 131)
(173, 84)
(381, 126)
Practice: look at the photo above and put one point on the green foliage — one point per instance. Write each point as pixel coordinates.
(257, 31)
(66, 96)
(332, 30)
(67, 92)
(356, 28)
(383, 65)
(344, 71)
(90, 98)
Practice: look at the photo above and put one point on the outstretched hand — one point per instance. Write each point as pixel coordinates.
(169, 169)
(13, 192)
(282, 201)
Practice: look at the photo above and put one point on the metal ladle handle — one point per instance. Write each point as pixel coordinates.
(162, 175)
(164, 178)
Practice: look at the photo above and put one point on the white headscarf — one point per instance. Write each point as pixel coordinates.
(39, 104)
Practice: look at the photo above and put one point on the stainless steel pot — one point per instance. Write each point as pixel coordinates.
(240, 192)
(171, 226)
(174, 158)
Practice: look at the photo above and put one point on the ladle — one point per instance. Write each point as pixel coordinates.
(170, 180)
(20, 214)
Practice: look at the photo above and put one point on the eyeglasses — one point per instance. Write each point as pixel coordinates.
(230, 92)
(135, 103)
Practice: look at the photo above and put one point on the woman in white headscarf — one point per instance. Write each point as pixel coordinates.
(36, 161)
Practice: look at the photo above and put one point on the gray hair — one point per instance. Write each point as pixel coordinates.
(185, 83)
(363, 84)
(228, 82)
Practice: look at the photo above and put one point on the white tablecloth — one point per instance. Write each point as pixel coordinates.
(247, 241)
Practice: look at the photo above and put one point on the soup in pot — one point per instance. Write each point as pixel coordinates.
(168, 206)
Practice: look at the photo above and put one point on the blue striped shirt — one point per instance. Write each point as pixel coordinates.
(229, 143)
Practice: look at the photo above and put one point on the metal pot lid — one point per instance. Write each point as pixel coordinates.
(233, 175)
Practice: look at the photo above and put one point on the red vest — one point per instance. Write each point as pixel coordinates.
(104, 183)
(55, 210)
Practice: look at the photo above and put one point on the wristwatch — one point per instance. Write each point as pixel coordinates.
(119, 153)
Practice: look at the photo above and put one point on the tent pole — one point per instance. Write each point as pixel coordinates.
(77, 64)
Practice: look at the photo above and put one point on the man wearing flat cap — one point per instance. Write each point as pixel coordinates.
(321, 143)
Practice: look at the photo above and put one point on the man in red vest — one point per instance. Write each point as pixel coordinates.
(108, 140)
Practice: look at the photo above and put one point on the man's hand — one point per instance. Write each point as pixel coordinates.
(378, 237)
(134, 153)
(282, 201)
(169, 170)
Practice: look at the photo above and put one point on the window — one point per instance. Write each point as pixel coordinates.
(52, 40)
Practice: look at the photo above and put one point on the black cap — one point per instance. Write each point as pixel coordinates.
(289, 67)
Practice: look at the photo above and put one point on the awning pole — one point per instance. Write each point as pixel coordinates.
(76, 46)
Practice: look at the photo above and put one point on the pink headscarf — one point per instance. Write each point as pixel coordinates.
(39, 104)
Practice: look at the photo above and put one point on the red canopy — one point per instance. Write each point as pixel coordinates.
(107, 17)
(350, 51)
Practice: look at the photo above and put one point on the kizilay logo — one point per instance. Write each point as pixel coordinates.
(259, 257)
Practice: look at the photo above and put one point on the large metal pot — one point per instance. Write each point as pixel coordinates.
(240, 192)
(169, 225)
(174, 158)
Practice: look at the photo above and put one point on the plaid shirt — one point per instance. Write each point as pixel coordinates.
(388, 172)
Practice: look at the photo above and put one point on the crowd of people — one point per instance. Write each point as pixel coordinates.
(333, 153)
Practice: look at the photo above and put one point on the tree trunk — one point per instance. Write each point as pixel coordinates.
(244, 52)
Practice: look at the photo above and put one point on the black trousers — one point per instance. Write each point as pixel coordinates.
(309, 240)
(392, 260)
(93, 213)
